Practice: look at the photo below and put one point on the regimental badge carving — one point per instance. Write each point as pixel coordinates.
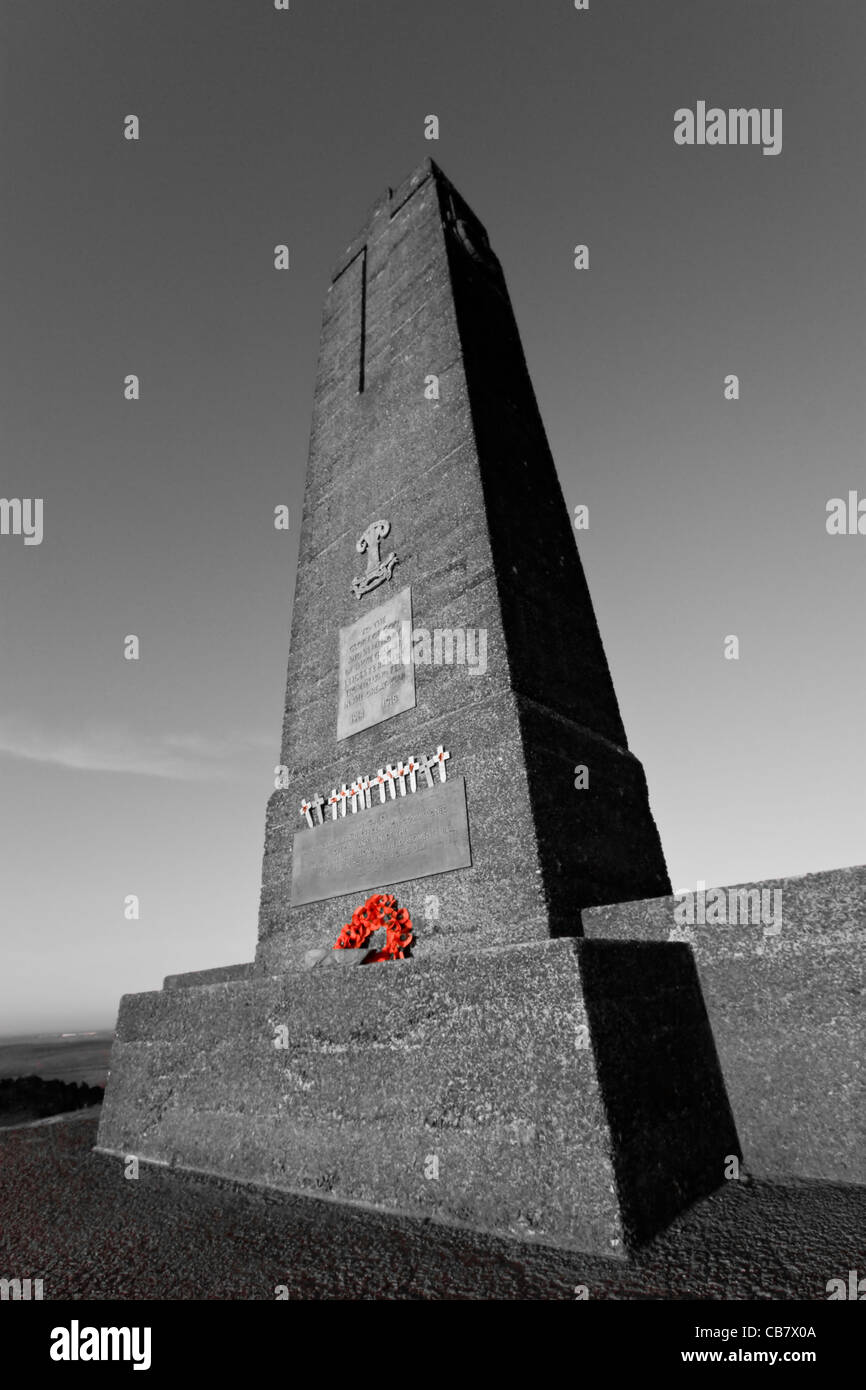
(378, 570)
(473, 238)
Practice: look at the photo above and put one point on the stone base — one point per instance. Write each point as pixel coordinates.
(784, 992)
(565, 1091)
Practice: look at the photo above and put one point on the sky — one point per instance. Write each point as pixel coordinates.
(707, 516)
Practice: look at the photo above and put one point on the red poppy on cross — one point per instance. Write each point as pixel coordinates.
(425, 765)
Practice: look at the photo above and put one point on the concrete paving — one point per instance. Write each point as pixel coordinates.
(71, 1218)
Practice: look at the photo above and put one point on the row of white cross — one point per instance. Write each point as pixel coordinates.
(388, 779)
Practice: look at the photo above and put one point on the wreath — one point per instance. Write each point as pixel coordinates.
(380, 910)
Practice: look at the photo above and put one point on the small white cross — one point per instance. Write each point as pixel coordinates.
(424, 766)
(441, 755)
(305, 811)
(398, 775)
(317, 802)
(344, 797)
(353, 794)
(363, 785)
(411, 772)
(382, 777)
(333, 802)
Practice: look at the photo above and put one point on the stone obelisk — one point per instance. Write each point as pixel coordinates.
(425, 423)
(509, 1075)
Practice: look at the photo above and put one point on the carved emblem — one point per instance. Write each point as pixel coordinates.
(378, 570)
(473, 238)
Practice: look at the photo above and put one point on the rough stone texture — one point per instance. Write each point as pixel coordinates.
(569, 1090)
(787, 1013)
(218, 975)
(484, 541)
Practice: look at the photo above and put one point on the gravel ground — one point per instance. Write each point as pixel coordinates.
(69, 1217)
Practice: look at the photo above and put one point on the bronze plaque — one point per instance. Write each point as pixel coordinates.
(372, 690)
(421, 833)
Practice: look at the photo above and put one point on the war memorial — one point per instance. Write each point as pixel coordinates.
(538, 1039)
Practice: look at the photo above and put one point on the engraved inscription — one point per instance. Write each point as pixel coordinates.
(371, 690)
(392, 843)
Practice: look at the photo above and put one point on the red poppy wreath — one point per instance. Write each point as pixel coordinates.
(380, 910)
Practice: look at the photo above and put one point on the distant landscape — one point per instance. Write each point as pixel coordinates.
(76, 1057)
(25, 1100)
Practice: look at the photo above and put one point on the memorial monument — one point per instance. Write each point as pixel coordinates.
(452, 738)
